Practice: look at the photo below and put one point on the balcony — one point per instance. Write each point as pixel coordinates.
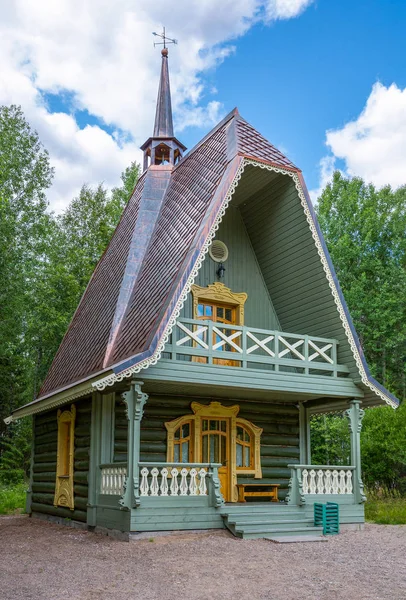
(210, 343)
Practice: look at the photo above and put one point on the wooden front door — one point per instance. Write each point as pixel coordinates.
(220, 313)
(215, 445)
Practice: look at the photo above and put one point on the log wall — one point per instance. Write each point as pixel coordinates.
(44, 465)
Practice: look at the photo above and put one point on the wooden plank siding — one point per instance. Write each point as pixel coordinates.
(242, 274)
(291, 266)
(279, 441)
(44, 463)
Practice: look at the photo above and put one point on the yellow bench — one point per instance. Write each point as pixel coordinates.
(260, 490)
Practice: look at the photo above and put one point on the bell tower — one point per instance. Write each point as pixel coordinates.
(163, 148)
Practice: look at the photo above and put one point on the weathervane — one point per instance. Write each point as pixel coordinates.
(165, 39)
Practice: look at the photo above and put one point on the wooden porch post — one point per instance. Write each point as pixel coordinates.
(304, 435)
(355, 415)
(134, 400)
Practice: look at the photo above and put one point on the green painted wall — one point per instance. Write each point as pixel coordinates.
(279, 441)
(242, 274)
(44, 464)
(290, 264)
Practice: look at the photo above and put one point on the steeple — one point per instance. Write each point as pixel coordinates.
(163, 148)
(163, 116)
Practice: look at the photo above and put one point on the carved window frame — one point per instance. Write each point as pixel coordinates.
(64, 494)
(218, 292)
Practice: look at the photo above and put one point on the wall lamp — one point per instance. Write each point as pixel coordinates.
(220, 271)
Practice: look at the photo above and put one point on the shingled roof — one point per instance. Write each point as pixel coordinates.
(162, 228)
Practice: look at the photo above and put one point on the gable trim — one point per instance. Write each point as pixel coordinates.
(146, 359)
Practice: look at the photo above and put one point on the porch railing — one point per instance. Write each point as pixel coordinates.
(112, 478)
(173, 479)
(165, 479)
(248, 347)
(319, 480)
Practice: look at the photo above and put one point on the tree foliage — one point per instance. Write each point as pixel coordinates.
(364, 229)
(46, 262)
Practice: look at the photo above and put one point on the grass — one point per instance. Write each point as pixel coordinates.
(385, 508)
(12, 498)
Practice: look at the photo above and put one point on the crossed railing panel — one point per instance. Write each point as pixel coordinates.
(244, 345)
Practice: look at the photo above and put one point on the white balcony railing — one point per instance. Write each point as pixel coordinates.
(247, 347)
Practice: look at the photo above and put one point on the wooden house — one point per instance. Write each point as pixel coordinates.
(212, 330)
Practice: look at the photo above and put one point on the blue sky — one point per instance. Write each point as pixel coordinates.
(295, 79)
(323, 80)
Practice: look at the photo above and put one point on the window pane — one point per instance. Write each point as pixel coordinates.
(176, 453)
(185, 430)
(239, 455)
(214, 449)
(177, 434)
(240, 433)
(247, 456)
(185, 452)
(214, 426)
(223, 426)
(229, 314)
(209, 311)
(200, 310)
(205, 453)
(246, 436)
(205, 425)
(223, 457)
(220, 312)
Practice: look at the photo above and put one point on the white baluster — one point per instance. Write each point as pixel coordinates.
(193, 482)
(202, 482)
(312, 484)
(154, 487)
(335, 485)
(109, 478)
(320, 482)
(305, 481)
(164, 482)
(327, 482)
(174, 482)
(183, 482)
(342, 486)
(349, 482)
(144, 487)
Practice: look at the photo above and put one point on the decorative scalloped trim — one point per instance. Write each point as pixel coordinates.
(41, 406)
(114, 378)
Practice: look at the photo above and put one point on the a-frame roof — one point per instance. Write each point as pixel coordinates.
(140, 283)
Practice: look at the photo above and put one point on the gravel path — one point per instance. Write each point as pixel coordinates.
(43, 561)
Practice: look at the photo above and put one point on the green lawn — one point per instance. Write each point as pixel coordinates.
(12, 498)
(386, 511)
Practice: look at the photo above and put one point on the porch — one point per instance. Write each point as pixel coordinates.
(141, 494)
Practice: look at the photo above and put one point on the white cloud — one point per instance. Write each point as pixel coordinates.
(101, 54)
(374, 145)
(327, 168)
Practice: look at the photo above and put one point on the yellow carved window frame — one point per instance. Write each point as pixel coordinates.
(64, 495)
(218, 292)
(213, 410)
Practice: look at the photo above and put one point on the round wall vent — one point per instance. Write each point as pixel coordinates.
(218, 251)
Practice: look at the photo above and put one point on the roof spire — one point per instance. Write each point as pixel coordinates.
(163, 116)
(163, 148)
